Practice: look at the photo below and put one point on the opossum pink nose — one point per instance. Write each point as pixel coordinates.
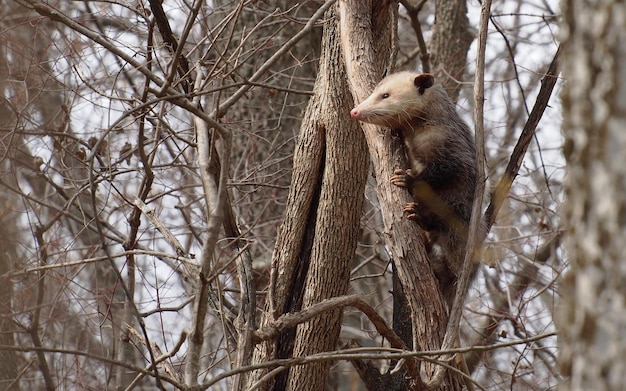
(354, 113)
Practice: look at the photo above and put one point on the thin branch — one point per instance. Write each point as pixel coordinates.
(52, 13)
(379, 353)
(413, 13)
(221, 110)
(273, 329)
(180, 100)
(134, 222)
(246, 319)
(485, 332)
(175, 49)
(167, 234)
(34, 324)
(499, 194)
(86, 354)
(214, 186)
(167, 367)
(85, 261)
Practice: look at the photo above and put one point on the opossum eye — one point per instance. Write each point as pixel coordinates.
(385, 95)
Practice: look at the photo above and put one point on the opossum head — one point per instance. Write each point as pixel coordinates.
(401, 101)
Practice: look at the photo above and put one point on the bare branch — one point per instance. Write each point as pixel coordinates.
(167, 234)
(373, 354)
(517, 157)
(221, 110)
(413, 12)
(214, 186)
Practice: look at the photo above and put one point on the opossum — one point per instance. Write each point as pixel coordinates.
(442, 170)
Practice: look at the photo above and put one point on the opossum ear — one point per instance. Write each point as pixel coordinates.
(423, 81)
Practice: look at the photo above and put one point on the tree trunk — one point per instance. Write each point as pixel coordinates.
(592, 318)
(315, 248)
(344, 172)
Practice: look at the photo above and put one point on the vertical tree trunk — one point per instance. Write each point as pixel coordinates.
(318, 237)
(592, 318)
(338, 212)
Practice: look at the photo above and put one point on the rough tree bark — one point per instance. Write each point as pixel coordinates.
(338, 211)
(592, 318)
(315, 247)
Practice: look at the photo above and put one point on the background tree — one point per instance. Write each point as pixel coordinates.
(591, 321)
(147, 166)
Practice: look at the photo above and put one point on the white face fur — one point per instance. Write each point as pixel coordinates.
(396, 102)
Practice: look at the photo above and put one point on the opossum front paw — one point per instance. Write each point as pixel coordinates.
(402, 178)
(411, 210)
